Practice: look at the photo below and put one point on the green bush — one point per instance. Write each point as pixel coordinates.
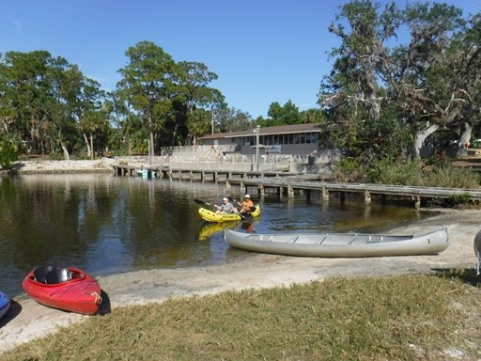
(408, 172)
(8, 153)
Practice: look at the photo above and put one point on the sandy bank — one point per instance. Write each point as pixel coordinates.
(28, 320)
(64, 166)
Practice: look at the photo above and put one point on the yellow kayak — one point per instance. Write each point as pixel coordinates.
(211, 216)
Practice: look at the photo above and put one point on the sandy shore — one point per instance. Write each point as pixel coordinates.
(28, 320)
(64, 166)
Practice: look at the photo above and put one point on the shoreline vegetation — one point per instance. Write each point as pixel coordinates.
(275, 308)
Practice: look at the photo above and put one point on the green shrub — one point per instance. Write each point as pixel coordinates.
(408, 172)
(8, 153)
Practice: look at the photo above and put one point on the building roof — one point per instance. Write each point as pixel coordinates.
(284, 129)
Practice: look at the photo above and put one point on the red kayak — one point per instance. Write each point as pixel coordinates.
(68, 289)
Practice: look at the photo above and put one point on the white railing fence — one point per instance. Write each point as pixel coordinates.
(222, 158)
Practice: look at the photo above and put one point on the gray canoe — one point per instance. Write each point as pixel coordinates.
(341, 244)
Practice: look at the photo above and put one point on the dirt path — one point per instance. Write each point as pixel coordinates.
(28, 320)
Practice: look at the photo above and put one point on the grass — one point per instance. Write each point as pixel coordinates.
(409, 317)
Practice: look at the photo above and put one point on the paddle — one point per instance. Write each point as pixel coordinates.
(198, 201)
(244, 216)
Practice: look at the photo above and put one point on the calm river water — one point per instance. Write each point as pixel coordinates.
(108, 224)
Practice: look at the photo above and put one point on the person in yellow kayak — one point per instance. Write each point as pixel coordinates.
(226, 207)
(247, 206)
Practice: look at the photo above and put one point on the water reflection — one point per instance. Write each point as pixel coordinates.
(210, 229)
(108, 224)
(248, 226)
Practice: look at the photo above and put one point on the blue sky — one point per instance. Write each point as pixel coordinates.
(263, 51)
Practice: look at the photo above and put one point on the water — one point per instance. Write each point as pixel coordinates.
(107, 224)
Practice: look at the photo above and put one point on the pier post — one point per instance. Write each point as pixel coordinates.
(417, 203)
(215, 176)
(367, 197)
(290, 191)
(325, 194)
(228, 186)
(261, 191)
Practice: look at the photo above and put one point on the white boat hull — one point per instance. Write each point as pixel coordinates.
(341, 245)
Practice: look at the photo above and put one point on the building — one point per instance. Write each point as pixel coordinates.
(287, 139)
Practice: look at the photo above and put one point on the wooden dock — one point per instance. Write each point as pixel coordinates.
(202, 175)
(286, 183)
(414, 193)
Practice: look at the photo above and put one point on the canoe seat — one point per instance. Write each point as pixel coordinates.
(58, 275)
(40, 273)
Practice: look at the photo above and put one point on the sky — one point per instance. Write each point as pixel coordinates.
(263, 51)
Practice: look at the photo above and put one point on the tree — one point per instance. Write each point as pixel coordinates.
(425, 84)
(43, 99)
(432, 79)
(194, 97)
(199, 124)
(147, 85)
(90, 109)
(472, 63)
(93, 122)
(232, 120)
(170, 96)
(25, 89)
(313, 116)
(9, 151)
(193, 86)
(283, 115)
(353, 91)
